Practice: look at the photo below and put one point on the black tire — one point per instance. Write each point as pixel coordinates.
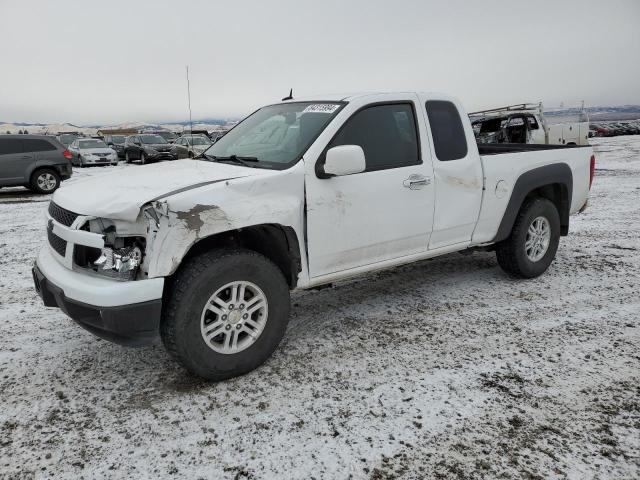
(126, 157)
(143, 158)
(36, 185)
(511, 253)
(81, 162)
(191, 289)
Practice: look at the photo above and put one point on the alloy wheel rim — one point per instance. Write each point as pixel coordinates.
(538, 239)
(46, 181)
(234, 317)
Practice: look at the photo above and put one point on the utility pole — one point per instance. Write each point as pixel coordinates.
(189, 99)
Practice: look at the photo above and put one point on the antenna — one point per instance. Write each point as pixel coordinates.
(189, 99)
(290, 97)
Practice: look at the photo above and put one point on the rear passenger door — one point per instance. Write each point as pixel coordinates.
(14, 161)
(457, 173)
(44, 152)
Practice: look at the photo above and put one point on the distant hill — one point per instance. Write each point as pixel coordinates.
(211, 124)
(596, 113)
(621, 112)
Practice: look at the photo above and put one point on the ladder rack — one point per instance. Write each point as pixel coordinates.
(512, 108)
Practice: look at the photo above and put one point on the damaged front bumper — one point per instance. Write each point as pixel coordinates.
(127, 313)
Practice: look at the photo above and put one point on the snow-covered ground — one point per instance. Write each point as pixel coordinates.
(442, 369)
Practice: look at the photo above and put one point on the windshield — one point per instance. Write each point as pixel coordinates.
(118, 139)
(200, 141)
(67, 139)
(168, 135)
(92, 144)
(152, 139)
(493, 124)
(276, 135)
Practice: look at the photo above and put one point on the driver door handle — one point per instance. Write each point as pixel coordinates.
(416, 182)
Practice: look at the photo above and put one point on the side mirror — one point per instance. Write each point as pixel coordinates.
(344, 160)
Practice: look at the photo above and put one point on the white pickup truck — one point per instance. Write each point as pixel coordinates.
(203, 253)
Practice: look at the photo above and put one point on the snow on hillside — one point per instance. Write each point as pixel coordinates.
(46, 129)
(55, 128)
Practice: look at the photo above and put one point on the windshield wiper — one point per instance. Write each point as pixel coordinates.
(233, 158)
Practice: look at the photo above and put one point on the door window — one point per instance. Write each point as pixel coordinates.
(533, 124)
(387, 134)
(446, 128)
(9, 146)
(38, 145)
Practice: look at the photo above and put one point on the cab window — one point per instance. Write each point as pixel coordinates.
(387, 134)
(449, 140)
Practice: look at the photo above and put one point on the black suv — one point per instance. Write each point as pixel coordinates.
(37, 162)
(147, 147)
(117, 143)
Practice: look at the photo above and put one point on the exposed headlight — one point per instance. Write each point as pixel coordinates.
(121, 263)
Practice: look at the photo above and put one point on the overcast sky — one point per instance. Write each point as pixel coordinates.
(89, 62)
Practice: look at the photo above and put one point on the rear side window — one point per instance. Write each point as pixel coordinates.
(37, 145)
(446, 127)
(386, 133)
(9, 146)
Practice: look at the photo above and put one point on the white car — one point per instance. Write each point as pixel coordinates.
(203, 253)
(92, 151)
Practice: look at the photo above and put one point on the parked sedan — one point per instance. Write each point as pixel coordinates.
(190, 146)
(91, 151)
(147, 147)
(117, 143)
(67, 138)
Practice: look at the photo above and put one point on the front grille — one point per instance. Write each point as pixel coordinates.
(61, 215)
(57, 243)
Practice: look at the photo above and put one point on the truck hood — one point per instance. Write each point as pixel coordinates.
(120, 194)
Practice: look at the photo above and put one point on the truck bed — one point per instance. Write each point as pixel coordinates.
(498, 148)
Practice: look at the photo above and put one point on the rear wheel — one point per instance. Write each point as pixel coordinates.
(45, 181)
(533, 242)
(227, 312)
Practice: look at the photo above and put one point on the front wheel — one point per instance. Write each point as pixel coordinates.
(143, 158)
(227, 312)
(533, 242)
(126, 157)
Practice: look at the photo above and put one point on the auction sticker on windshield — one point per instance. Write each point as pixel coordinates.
(321, 108)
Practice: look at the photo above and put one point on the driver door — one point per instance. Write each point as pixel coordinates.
(382, 213)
